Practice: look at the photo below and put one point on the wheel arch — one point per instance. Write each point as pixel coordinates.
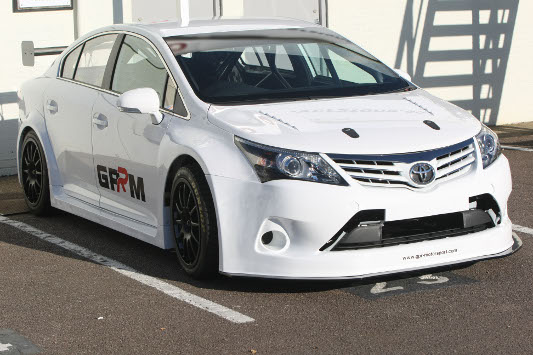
(180, 161)
(184, 159)
(35, 123)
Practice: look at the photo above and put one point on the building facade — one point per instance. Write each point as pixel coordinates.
(474, 53)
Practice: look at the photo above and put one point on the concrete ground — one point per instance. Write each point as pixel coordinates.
(58, 302)
(519, 135)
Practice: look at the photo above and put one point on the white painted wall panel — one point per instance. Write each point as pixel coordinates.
(307, 10)
(94, 14)
(233, 8)
(146, 11)
(475, 53)
(46, 29)
(201, 8)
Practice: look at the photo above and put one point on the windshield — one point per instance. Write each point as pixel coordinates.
(272, 67)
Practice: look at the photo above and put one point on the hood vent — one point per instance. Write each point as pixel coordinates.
(350, 132)
(419, 105)
(432, 125)
(279, 120)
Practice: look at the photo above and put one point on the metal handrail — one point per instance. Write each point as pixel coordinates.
(29, 52)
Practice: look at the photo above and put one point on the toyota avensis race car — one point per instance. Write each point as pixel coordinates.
(270, 148)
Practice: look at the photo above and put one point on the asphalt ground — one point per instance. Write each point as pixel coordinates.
(57, 302)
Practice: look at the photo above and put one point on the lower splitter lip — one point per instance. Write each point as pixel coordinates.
(513, 249)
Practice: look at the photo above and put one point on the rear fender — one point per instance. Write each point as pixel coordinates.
(35, 121)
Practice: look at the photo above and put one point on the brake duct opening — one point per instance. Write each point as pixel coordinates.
(368, 228)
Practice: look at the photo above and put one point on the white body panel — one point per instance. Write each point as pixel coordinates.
(308, 214)
(130, 142)
(66, 108)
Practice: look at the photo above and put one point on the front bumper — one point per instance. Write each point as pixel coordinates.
(517, 244)
(309, 214)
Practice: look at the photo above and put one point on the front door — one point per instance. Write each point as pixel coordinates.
(126, 145)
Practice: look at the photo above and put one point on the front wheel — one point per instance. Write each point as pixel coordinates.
(34, 175)
(193, 224)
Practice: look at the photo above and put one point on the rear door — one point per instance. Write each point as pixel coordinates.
(68, 107)
(126, 145)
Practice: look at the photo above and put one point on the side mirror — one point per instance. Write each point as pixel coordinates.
(144, 100)
(403, 74)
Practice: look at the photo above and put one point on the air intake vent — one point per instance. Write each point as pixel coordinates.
(350, 132)
(432, 125)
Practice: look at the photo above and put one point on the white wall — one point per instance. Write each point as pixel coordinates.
(307, 10)
(46, 29)
(467, 78)
(233, 8)
(93, 14)
(201, 8)
(146, 11)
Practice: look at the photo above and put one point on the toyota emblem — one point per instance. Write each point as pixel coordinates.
(422, 173)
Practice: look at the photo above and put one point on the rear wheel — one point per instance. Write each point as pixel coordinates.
(194, 223)
(34, 175)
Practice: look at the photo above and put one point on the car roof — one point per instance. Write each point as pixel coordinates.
(217, 25)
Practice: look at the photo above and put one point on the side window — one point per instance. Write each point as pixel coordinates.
(250, 57)
(70, 62)
(316, 60)
(283, 61)
(93, 60)
(172, 101)
(170, 95)
(254, 59)
(348, 71)
(139, 66)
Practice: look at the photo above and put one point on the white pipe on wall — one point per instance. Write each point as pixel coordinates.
(185, 12)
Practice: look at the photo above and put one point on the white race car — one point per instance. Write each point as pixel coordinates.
(269, 148)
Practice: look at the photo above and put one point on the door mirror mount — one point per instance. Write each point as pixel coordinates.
(143, 101)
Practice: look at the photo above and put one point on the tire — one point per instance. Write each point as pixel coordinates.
(194, 223)
(34, 175)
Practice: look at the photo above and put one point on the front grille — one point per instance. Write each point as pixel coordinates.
(394, 169)
(456, 161)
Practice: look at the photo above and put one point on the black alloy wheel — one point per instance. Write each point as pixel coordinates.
(187, 222)
(34, 175)
(194, 223)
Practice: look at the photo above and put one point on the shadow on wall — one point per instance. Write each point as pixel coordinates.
(491, 32)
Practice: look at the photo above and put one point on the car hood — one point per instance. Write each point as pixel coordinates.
(386, 124)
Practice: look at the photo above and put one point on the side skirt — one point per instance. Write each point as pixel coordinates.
(147, 233)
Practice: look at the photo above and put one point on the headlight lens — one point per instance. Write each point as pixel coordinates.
(489, 145)
(275, 164)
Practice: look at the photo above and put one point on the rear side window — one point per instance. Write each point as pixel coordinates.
(173, 101)
(69, 65)
(93, 60)
(170, 95)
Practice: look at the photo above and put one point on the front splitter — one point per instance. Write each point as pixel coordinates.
(513, 249)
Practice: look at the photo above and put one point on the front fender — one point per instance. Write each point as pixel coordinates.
(211, 147)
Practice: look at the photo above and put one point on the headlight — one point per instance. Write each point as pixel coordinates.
(489, 146)
(275, 164)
